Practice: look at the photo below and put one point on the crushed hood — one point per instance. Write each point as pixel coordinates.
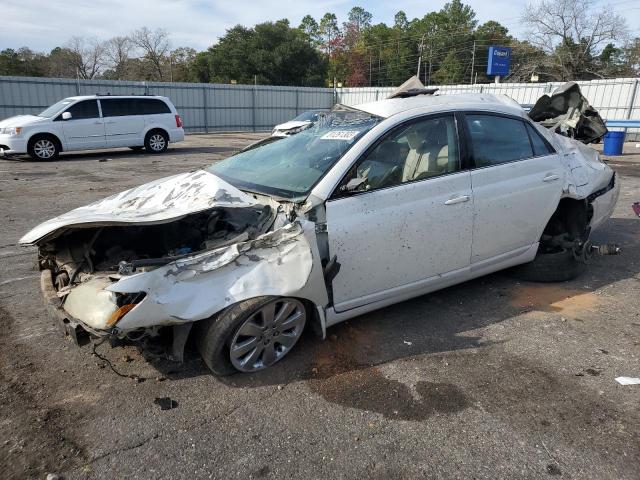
(160, 201)
(568, 113)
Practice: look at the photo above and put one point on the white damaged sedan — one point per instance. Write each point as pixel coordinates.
(370, 206)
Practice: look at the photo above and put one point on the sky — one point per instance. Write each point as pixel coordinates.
(44, 24)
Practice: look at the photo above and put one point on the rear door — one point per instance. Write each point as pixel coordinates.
(85, 129)
(409, 221)
(124, 121)
(516, 180)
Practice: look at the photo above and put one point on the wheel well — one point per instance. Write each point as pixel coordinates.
(45, 135)
(157, 129)
(570, 219)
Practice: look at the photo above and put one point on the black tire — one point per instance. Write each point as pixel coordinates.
(214, 335)
(156, 141)
(44, 148)
(137, 149)
(550, 267)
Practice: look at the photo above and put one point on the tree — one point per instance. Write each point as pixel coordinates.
(571, 32)
(181, 62)
(310, 28)
(87, 56)
(329, 31)
(270, 53)
(400, 20)
(359, 18)
(155, 47)
(118, 52)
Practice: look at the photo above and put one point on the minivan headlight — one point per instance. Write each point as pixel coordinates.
(11, 130)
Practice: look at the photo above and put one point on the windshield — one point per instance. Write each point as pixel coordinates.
(290, 167)
(310, 116)
(55, 108)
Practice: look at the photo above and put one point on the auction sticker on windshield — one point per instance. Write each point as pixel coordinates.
(340, 135)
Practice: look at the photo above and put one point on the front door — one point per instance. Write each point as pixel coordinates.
(85, 129)
(517, 183)
(409, 220)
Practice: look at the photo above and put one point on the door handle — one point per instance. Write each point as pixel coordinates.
(453, 201)
(97, 123)
(551, 178)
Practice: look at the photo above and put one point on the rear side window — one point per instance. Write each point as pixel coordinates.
(496, 139)
(118, 107)
(540, 146)
(84, 109)
(152, 106)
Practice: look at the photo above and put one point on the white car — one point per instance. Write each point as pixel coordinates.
(299, 123)
(93, 122)
(375, 205)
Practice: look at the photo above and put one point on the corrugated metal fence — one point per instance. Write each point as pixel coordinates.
(204, 107)
(615, 99)
(216, 107)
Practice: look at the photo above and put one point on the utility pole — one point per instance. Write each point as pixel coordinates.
(430, 64)
(420, 49)
(473, 61)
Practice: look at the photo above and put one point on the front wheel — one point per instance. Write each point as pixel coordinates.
(251, 335)
(156, 141)
(44, 148)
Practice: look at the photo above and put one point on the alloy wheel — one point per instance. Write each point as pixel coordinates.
(157, 142)
(267, 335)
(44, 148)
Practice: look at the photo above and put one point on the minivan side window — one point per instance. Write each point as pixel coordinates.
(540, 145)
(151, 106)
(118, 107)
(83, 109)
(496, 139)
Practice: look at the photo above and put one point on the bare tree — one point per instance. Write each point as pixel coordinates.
(571, 32)
(87, 56)
(118, 52)
(155, 46)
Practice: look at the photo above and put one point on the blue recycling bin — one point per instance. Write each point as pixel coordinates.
(613, 142)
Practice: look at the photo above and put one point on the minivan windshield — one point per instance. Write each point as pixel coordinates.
(290, 167)
(56, 108)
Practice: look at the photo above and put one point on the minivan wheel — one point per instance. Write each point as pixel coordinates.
(250, 335)
(558, 266)
(156, 141)
(44, 148)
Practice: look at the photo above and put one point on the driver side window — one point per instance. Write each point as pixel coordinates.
(417, 151)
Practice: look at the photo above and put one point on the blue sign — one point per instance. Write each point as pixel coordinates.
(499, 61)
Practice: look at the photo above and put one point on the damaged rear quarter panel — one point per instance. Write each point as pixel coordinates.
(284, 262)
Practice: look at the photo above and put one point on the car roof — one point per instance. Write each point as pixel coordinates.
(98, 96)
(463, 101)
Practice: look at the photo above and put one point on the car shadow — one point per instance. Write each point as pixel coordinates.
(120, 153)
(444, 321)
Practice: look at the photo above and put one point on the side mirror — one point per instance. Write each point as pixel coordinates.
(66, 115)
(353, 184)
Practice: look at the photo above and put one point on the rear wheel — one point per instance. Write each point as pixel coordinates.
(156, 141)
(251, 335)
(558, 266)
(44, 148)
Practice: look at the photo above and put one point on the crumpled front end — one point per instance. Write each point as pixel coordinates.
(117, 278)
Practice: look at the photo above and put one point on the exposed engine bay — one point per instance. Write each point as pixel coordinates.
(78, 253)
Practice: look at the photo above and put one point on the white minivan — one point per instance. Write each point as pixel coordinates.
(93, 122)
